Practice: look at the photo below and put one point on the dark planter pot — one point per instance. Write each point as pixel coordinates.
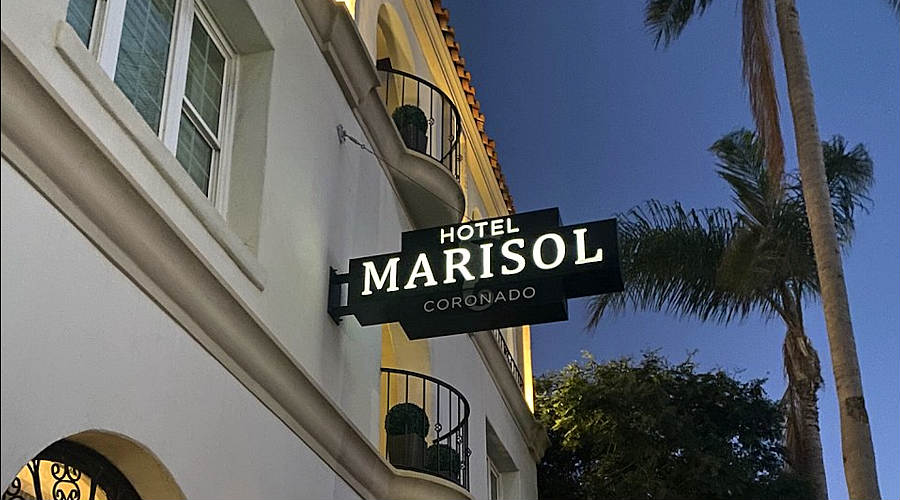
(446, 473)
(406, 450)
(444, 461)
(414, 138)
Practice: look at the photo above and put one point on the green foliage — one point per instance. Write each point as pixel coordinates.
(443, 459)
(413, 127)
(722, 264)
(666, 19)
(406, 418)
(653, 430)
(409, 115)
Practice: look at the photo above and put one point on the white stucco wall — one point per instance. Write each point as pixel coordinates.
(83, 348)
(102, 355)
(322, 202)
(456, 361)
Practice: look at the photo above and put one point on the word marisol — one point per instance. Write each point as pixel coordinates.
(508, 258)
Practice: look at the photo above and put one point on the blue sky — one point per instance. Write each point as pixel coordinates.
(590, 118)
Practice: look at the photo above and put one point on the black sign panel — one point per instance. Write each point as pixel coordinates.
(491, 273)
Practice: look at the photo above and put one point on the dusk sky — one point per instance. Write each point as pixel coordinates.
(590, 118)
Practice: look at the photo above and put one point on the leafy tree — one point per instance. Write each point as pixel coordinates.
(652, 430)
(666, 19)
(724, 264)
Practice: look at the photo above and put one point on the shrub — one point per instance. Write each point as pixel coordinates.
(410, 115)
(406, 418)
(413, 127)
(443, 460)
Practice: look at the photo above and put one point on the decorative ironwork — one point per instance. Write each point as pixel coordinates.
(66, 470)
(510, 359)
(401, 89)
(442, 454)
(14, 490)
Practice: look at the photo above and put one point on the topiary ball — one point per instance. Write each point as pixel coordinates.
(443, 459)
(406, 418)
(409, 115)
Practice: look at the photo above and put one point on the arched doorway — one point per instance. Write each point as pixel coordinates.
(93, 465)
(66, 470)
(391, 40)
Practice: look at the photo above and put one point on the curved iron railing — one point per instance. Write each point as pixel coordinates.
(441, 142)
(510, 359)
(440, 452)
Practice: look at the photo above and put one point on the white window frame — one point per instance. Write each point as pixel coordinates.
(104, 41)
(492, 471)
(97, 26)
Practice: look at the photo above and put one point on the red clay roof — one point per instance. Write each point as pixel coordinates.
(465, 78)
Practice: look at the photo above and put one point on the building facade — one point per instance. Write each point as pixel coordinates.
(179, 177)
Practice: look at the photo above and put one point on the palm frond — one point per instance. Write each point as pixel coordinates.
(759, 76)
(669, 257)
(762, 261)
(721, 265)
(741, 165)
(666, 19)
(771, 245)
(850, 176)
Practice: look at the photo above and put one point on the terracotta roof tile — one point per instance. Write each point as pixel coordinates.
(465, 78)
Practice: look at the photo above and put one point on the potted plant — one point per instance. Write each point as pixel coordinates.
(413, 127)
(443, 460)
(406, 426)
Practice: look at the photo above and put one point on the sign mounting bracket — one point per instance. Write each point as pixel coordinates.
(336, 306)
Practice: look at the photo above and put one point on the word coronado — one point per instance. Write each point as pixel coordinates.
(547, 252)
(484, 298)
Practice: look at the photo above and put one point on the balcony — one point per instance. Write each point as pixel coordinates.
(428, 125)
(426, 426)
(511, 362)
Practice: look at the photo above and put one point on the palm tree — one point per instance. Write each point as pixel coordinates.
(666, 19)
(725, 264)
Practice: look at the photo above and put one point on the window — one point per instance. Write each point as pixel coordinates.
(493, 481)
(502, 473)
(82, 16)
(177, 68)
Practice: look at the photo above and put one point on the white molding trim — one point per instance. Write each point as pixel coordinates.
(533, 432)
(106, 205)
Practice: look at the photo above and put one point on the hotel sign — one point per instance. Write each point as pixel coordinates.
(492, 273)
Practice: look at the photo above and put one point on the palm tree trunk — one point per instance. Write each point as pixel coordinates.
(856, 437)
(801, 402)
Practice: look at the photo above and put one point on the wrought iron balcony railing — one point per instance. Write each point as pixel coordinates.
(425, 116)
(426, 425)
(510, 359)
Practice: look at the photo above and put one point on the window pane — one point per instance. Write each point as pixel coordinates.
(206, 70)
(143, 55)
(80, 16)
(194, 153)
